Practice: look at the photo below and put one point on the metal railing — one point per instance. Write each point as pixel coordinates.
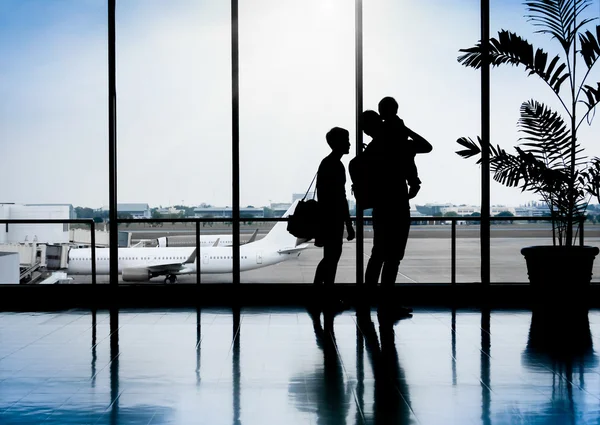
(454, 220)
(197, 220)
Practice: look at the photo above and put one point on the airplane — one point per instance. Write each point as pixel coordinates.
(205, 240)
(143, 264)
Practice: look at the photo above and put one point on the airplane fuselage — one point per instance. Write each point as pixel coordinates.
(212, 259)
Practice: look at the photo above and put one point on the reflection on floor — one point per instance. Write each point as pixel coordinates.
(286, 366)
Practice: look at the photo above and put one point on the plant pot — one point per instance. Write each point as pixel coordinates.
(560, 276)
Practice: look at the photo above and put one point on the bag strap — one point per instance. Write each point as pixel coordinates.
(311, 183)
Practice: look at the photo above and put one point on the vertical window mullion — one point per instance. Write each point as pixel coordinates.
(359, 137)
(235, 140)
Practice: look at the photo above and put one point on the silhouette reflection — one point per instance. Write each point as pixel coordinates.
(114, 366)
(94, 355)
(485, 369)
(198, 345)
(235, 364)
(560, 345)
(391, 401)
(328, 396)
(556, 337)
(129, 414)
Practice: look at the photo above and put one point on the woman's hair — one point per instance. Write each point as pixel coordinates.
(335, 134)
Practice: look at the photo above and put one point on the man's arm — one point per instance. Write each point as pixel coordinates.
(419, 144)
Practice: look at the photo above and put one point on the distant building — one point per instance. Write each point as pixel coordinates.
(432, 209)
(40, 233)
(280, 208)
(135, 210)
(462, 210)
(297, 196)
(169, 211)
(227, 212)
(537, 211)
(415, 216)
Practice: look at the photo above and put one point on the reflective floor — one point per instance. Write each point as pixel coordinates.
(286, 366)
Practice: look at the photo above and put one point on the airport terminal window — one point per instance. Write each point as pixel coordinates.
(174, 96)
(307, 88)
(426, 86)
(54, 61)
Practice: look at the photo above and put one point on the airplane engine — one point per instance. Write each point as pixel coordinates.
(136, 275)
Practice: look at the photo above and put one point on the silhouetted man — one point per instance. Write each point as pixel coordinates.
(389, 165)
(331, 195)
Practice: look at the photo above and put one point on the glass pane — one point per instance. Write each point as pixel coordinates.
(410, 54)
(174, 114)
(512, 87)
(53, 128)
(296, 83)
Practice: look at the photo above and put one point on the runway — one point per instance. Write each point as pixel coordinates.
(524, 230)
(427, 260)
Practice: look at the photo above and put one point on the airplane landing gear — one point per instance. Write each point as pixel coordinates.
(171, 279)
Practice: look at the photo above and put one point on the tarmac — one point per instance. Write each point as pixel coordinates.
(427, 260)
(521, 230)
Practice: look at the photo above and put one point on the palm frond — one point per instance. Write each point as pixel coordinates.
(540, 177)
(475, 148)
(508, 169)
(592, 95)
(590, 47)
(558, 18)
(590, 178)
(472, 148)
(511, 49)
(548, 135)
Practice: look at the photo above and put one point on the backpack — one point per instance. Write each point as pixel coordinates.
(361, 174)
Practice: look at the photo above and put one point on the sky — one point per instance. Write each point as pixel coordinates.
(297, 80)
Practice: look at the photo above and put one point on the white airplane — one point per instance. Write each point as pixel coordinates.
(205, 240)
(142, 264)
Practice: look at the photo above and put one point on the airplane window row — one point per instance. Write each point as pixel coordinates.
(132, 258)
(243, 257)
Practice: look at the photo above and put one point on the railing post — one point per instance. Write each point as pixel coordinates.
(581, 223)
(453, 251)
(93, 243)
(198, 262)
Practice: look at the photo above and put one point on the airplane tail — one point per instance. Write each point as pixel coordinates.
(279, 236)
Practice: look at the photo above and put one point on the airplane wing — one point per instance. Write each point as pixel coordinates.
(165, 268)
(172, 267)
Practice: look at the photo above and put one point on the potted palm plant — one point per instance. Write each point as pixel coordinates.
(549, 160)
